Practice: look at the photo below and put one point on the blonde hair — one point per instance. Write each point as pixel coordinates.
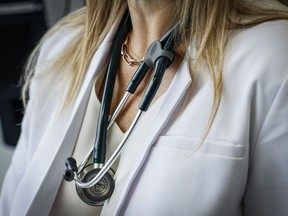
(208, 23)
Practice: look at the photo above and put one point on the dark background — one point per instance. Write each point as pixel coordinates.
(20, 30)
(22, 24)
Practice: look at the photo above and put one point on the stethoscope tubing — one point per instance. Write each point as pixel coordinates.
(113, 157)
(160, 66)
(111, 121)
(158, 75)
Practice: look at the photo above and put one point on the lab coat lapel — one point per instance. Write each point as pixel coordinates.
(63, 142)
(174, 95)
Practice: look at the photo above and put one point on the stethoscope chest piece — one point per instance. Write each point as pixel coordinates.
(97, 194)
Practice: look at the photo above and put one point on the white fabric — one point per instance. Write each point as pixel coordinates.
(240, 169)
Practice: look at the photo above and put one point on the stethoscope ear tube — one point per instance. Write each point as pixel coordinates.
(152, 56)
(161, 58)
(137, 78)
(113, 157)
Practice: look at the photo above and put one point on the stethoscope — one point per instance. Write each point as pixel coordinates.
(94, 182)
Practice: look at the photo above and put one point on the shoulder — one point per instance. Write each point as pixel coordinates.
(52, 47)
(262, 40)
(256, 70)
(259, 53)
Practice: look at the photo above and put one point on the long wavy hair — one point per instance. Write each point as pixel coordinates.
(208, 23)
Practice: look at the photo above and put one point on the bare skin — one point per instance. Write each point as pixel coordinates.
(150, 20)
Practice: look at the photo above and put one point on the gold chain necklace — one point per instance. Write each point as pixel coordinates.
(128, 59)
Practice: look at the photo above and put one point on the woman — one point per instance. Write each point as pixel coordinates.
(213, 142)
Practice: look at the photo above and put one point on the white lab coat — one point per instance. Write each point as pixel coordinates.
(240, 169)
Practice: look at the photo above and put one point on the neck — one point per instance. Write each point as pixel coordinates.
(150, 20)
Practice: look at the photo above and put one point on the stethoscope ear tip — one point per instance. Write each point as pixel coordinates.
(68, 175)
(71, 165)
